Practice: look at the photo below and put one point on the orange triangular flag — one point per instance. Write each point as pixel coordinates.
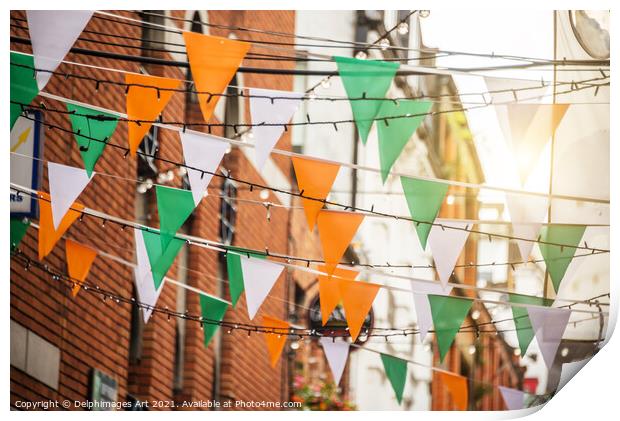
(315, 179)
(48, 236)
(79, 260)
(213, 62)
(336, 230)
(329, 290)
(357, 298)
(275, 341)
(145, 103)
(457, 386)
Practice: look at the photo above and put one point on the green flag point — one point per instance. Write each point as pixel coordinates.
(88, 128)
(160, 262)
(213, 310)
(396, 372)
(394, 133)
(235, 272)
(558, 258)
(448, 315)
(523, 327)
(424, 199)
(19, 227)
(365, 79)
(174, 207)
(24, 86)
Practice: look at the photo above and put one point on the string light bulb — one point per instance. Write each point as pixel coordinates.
(361, 55)
(424, 13)
(326, 83)
(403, 28)
(384, 44)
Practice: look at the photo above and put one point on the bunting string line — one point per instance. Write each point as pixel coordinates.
(285, 153)
(223, 248)
(291, 332)
(103, 15)
(574, 86)
(214, 192)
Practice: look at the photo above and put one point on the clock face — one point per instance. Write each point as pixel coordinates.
(591, 27)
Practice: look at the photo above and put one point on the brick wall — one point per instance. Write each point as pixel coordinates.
(92, 333)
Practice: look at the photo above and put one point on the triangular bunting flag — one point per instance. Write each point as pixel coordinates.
(160, 261)
(558, 258)
(357, 299)
(145, 103)
(48, 236)
(446, 245)
(259, 276)
(52, 34)
(527, 214)
(421, 290)
(145, 285)
(394, 133)
(315, 179)
(336, 352)
(90, 129)
(174, 207)
(524, 330)
(23, 83)
(329, 290)
(424, 199)
(264, 110)
(66, 183)
(396, 372)
(79, 260)
(213, 310)
(213, 62)
(235, 274)
(513, 398)
(336, 230)
(549, 325)
(365, 79)
(457, 386)
(528, 128)
(203, 152)
(275, 341)
(18, 230)
(448, 315)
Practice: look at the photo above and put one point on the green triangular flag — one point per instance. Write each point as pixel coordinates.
(394, 133)
(18, 230)
(23, 83)
(396, 372)
(558, 258)
(160, 262)
(102, 130)
(365, 78)
(448, 315)
(235, 273)
(212, 309)
(424, 199)
(174, 207)
(525, 333)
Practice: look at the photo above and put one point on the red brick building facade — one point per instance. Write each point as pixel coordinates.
(164, 360)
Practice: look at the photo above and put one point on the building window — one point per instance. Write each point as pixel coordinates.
(147, 167)
(192, 97)
(228, 215)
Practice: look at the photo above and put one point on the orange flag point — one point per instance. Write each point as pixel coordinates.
(79, 260)
(145, 103)
(275, 341)
(336, 230)
(48, 236)
(357, 298)
(213, 62)
(315, 179)
(329, 290)
(457, 386)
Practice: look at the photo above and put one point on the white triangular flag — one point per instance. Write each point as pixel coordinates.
(145, 285)
(52, 34)
(569, 370)
(421, 290)
(336, 353)
(259, 276)
(548, 324)
(446, 245)
(513, 398)
(264, 110)
(527, 213)
(66, 184)
(204, 152)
